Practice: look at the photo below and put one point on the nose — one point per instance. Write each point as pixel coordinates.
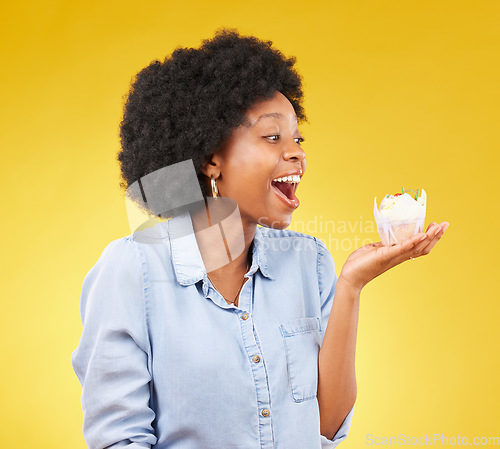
(293, 152)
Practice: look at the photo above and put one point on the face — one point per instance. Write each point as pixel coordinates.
(253, 163)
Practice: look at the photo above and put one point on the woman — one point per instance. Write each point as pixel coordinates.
(208, 335)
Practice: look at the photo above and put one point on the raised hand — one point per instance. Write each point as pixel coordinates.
(369, 261)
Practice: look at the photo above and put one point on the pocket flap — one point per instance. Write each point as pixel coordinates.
(300, 325)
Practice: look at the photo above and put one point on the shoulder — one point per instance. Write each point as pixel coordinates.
(118, 263)
(308, 249)
(138, 242)
(127, 254)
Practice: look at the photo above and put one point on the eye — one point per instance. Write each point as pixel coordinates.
(274, 137)
(299, 140)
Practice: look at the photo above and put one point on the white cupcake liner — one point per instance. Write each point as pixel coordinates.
(398, 232)
(392, 229)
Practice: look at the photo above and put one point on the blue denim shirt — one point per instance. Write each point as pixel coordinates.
(166, 363)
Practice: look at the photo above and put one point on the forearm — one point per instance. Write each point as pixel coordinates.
(337, 377)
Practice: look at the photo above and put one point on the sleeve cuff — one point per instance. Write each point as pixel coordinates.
(341, 434)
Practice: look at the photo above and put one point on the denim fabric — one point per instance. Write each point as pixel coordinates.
(166, 363)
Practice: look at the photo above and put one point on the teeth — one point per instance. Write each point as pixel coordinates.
(292, 179)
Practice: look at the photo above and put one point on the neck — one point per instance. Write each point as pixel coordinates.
(217, 253)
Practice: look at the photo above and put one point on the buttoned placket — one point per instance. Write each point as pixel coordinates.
(192, 270)
(257, 362)
(252, 348)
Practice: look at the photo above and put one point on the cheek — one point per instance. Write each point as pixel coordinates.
(250, 177)
(252, 189)
(247, 173)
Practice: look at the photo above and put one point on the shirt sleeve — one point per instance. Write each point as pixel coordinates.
(341, 434)
(327, 279)
(112, 360)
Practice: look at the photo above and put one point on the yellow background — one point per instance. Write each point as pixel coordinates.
(399, 93)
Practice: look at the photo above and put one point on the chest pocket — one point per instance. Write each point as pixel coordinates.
(302, 339)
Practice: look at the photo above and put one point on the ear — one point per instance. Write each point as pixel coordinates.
(212, 165)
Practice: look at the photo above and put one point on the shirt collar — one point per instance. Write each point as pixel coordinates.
(186, 257)
(259, 255)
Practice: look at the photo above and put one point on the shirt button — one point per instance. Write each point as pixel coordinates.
(265, 413)
(256, 358)
(244, 316)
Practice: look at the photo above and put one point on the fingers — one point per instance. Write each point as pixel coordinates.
(434, 234)
(417, 241)
(420, 244)
(438, 233)
(423, 242)
(401, 251)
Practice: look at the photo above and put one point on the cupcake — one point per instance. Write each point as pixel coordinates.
(400, 216)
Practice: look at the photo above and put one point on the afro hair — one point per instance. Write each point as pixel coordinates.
(186, 106)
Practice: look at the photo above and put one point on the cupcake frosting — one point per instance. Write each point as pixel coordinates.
(400, 207)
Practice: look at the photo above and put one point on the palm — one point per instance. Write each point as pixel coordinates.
(369, 261)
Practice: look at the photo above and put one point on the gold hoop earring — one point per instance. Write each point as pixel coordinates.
(215, 189)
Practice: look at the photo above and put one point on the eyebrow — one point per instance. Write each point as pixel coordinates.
(269, 114)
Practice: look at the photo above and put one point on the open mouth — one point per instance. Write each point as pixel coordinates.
(285, 190)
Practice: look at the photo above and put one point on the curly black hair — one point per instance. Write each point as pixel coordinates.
(186, 106)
